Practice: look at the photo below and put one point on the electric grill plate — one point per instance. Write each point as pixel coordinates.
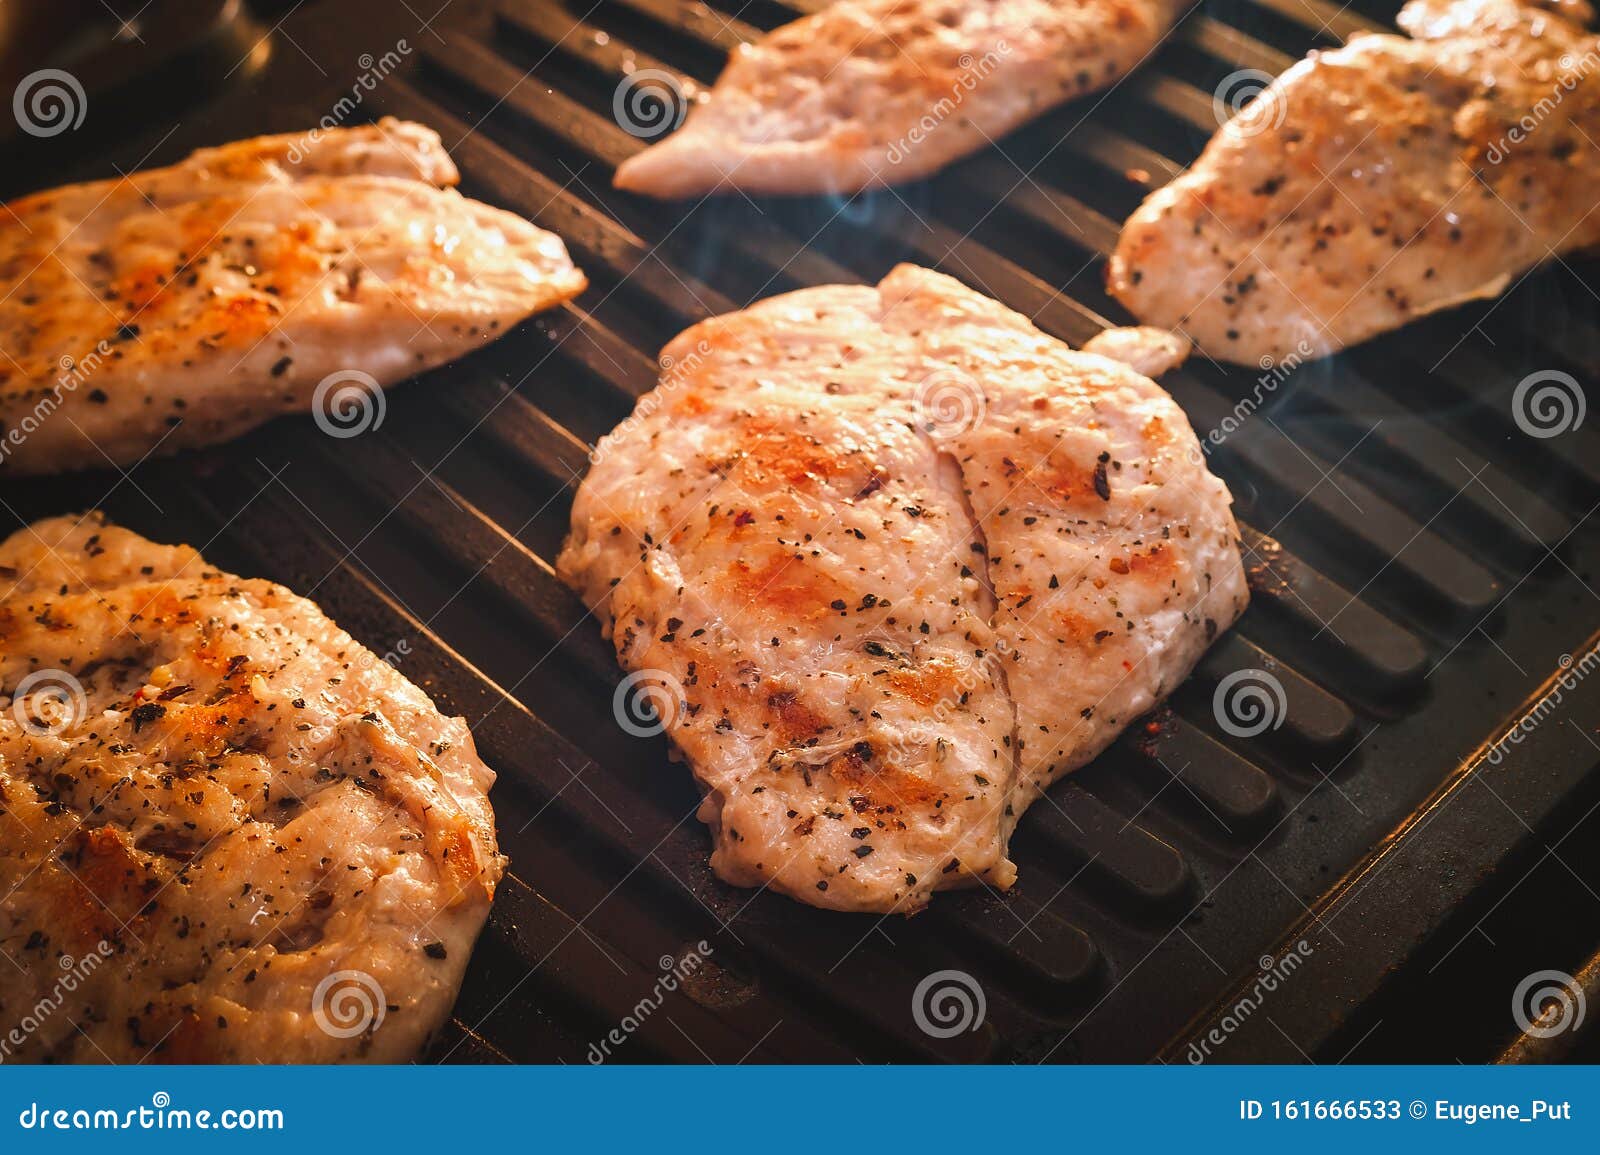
(1419, 566)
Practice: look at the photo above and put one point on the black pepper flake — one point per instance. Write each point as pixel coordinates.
(281, 366)
(1101, 485)
(863, 851)
(435, 950)
(147, 713)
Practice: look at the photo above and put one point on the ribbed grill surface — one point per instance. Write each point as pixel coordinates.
(1395, 519)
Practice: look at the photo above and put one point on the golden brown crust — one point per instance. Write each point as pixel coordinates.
(1376, 183)
(216, 804)
(797, 544)
(870, 91)
(183, 306)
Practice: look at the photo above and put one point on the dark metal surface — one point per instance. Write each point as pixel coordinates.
(1420, 565)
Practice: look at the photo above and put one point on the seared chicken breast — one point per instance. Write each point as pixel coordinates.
(183, 306)
(228, 832)
(870, 91)
(887, 561)
(1376, 183)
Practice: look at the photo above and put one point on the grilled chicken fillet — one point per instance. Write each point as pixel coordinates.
(183, 306)
(1376, 183)
(890, 560)
(869, 91)
(244, 836)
